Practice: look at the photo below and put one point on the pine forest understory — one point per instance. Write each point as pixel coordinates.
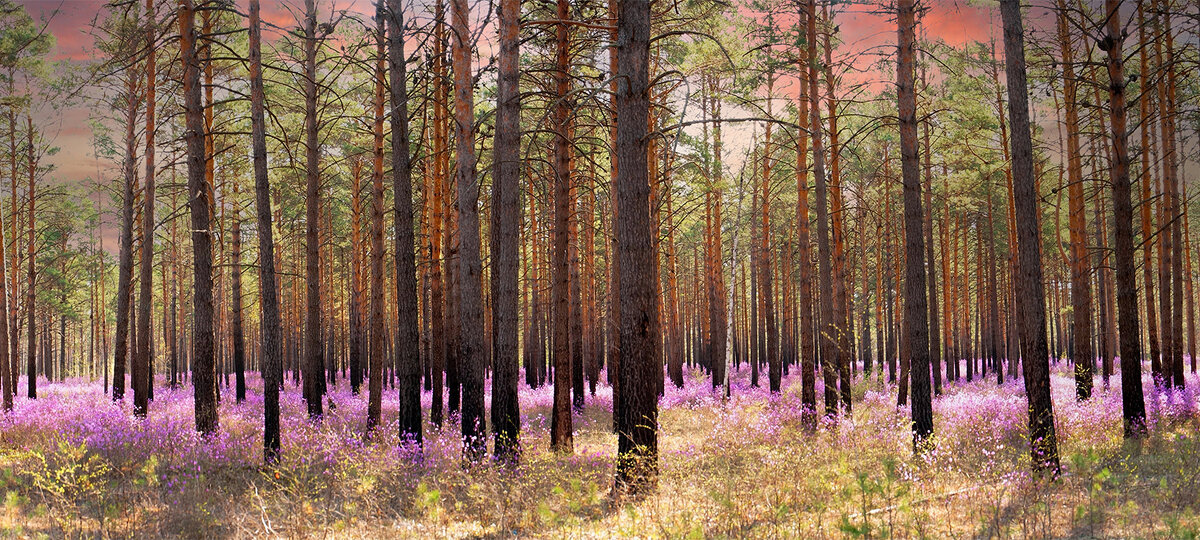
(599, 268)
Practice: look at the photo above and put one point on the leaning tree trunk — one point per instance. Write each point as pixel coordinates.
(1032, 320)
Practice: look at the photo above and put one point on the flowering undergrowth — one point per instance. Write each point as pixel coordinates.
(75, 464)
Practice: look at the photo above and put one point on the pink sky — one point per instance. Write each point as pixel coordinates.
(956, 22)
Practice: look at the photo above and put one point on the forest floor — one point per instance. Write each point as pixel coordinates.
(73, 464)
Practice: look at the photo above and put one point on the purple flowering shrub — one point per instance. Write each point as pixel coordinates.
(74, 463)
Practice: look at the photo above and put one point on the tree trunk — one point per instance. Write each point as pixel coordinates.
(121, 345)
(314, 358)
(774, 369)
(561, 438)
(1132, 402)
(637, 416)
(239, 338)
(1034, 353)
(916, 310)
(375, 326)
(204, 374)
(472, 356)
(935, 347)
(808, 349)
(1081, 290)
(506, 237)
(407, 355)
(437, 296)
(7, 376)
(841, 301)
(829, 351)
(716, 287)
(271, 328)
(31, 296)
(355, 354)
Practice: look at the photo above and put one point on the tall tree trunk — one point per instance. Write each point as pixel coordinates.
(1132, 402)
(210, 159)
(1034, 353)
(506, 237)
(204, 374)
(1081, 290)
(828, 348)
(561, 437)
(437, 296)
(7, 376)
(30, 291)
(236, 318)
(270, 360)
(314, 358)
(1167, 234)
(916, 312)
(142, 373)
(375, 340)
(407, 356)
(356, 347)
(637, 415)
(472, 356)
(1172, 159)
(121, 345)
(808, 350)
(935, 347)
(574, 291)
(716, 288)
(766, 289)
(15, 277)
(841, 286)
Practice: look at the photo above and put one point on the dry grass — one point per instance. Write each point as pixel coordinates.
(738, 468)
